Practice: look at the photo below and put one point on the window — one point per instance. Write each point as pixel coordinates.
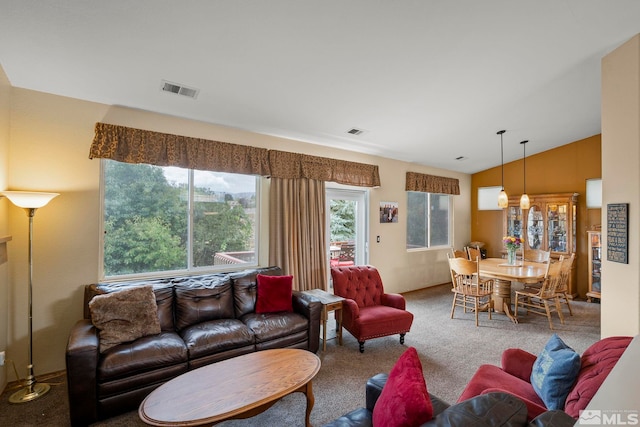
(428, 220)
(488, 198)
(160, 219)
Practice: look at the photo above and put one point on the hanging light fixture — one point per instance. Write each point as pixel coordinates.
(524, 199)
(503, 199)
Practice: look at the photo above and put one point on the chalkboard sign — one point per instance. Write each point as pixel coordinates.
(618, 232)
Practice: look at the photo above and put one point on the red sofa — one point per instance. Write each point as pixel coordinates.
(514, 376)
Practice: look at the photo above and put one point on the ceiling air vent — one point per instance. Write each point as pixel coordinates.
(355, 131)
(179, 89)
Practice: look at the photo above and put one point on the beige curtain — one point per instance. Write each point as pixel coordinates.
(297, 230)
(431, 183)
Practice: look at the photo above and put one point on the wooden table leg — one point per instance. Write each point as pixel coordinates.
(310, 401)
(502, 298)
(339, 324)
(325, 316)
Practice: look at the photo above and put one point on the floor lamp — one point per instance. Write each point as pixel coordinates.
(29, 201)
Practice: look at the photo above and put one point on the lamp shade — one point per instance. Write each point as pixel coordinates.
(503, 199)
(29, 199)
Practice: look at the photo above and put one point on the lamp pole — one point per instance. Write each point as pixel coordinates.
(30, 202)
(32, 389)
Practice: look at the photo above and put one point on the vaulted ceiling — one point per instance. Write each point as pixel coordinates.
(427, 81)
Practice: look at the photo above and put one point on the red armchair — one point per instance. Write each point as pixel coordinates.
(367, 311)
(514, 376)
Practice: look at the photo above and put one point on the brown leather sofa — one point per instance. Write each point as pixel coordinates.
(203, 319)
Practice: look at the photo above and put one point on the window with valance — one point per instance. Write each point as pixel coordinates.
(429, 210)
(431, 183)
(165, 208)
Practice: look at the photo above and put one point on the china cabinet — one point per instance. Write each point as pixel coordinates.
(549, 224)
(595, 261)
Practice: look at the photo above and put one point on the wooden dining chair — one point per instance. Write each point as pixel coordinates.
(456, 253)
(473, 253)
(565, 277)
(538, 301)
(468, 291)
(540, 257)
(536, 255)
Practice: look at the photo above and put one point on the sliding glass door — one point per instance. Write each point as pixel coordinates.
(347, 225)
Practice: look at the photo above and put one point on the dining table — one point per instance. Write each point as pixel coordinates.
(503, 274)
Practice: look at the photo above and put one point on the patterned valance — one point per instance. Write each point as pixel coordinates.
(431, 183)
(131, 145)
(293, 165)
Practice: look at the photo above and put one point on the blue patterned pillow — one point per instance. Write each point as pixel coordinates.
(554, 372)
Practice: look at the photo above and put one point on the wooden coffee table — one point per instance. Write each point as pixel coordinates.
(240, 387)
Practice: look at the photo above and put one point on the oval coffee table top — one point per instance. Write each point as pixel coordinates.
(229, 388)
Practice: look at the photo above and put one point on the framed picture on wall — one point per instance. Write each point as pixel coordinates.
(388, 212)
(618, 232)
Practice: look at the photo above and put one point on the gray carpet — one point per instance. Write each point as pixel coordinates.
(450, 351)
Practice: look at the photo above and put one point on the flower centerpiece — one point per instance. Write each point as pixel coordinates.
(512, 243)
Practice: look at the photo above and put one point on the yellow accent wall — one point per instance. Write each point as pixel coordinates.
(562, 170)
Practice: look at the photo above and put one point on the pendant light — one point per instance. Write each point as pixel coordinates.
(524, 200)
(503, 199)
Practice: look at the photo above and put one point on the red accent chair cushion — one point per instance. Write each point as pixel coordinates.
(404, 400)
(274, 294)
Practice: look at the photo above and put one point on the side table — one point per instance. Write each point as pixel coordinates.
(330, 302)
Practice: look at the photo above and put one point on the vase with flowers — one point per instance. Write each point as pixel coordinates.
(512, 243)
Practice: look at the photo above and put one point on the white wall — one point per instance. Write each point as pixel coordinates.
(621, 184)
(49, 141)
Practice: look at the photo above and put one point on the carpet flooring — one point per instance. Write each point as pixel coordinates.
(450, 351)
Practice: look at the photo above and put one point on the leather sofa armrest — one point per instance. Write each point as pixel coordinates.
(437, 404)
(393, 300)
(518, 363)
(533, 409)
(494, 409)
(555, 418)
(82, 355)
(311, 308)
(374, 387)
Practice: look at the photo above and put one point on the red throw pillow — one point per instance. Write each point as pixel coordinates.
(274, 294)
(404, 400)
